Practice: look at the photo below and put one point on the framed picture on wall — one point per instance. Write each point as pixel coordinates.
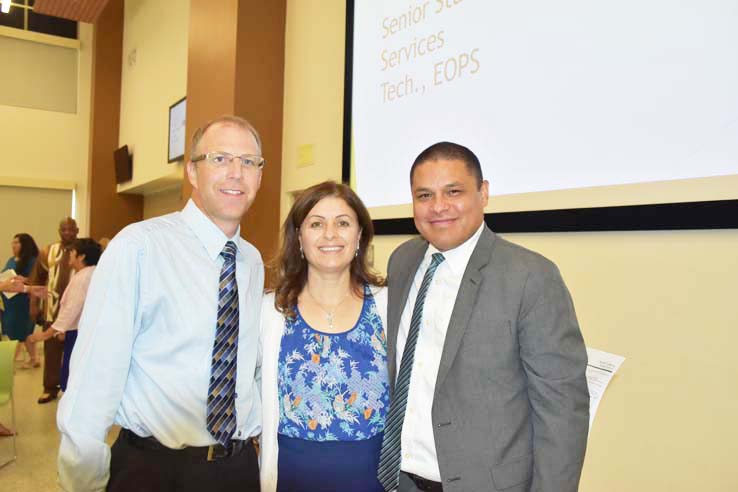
(177, 132)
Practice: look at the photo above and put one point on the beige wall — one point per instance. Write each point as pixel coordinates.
(162, 202)
(62, 154)
(664, 301)
(313, 93)
(154, 76)
(26, 85)
(41, 222)
(661, 299)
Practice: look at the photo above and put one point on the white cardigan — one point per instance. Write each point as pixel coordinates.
(272, 327)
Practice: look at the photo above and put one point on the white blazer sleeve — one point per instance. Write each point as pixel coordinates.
(272, 326)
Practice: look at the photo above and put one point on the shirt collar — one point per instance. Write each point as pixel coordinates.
(458, 257)
(207, 232)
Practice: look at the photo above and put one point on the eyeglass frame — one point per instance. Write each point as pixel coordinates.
(258, 160)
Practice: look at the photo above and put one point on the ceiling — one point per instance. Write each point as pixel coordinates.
(77, 10)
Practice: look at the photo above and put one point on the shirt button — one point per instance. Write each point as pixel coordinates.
(239, 433)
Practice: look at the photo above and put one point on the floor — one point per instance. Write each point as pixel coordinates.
(37, 440)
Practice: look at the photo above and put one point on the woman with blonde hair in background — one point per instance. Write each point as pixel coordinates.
(324, 376)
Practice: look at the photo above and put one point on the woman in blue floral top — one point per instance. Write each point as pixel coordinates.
(324, 367)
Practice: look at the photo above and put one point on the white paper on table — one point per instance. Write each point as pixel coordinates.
(7, 275)
(601, 367)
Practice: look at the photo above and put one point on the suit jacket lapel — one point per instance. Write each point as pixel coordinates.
(407, 268)
(466, 299)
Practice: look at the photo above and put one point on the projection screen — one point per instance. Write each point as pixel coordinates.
(586, 115)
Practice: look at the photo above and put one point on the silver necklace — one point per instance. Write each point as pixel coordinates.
(330, 314)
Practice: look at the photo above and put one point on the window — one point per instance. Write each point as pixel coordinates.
(22, 16)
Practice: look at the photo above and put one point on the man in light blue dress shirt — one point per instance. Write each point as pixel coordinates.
(145, 348)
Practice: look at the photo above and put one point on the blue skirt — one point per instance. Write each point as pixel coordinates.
(16, 319)
(328, 466)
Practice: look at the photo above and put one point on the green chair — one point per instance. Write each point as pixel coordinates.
(7, 354)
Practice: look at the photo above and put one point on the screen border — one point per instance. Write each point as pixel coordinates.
(717, 214)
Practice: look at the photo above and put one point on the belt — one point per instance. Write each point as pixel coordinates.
(425, 484)
(207, 453)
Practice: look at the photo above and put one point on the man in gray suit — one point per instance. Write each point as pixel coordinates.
(486, 360)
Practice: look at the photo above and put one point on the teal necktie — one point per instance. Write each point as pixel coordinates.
(388, 472)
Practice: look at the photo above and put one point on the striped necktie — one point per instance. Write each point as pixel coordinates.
(221, 412)
(388, 472)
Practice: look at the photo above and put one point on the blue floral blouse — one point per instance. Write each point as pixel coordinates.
(333, 387)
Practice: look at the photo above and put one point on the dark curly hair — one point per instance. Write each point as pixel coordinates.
(28, 251)
(290, 269)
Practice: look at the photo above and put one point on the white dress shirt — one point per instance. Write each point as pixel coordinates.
(143, 356)
(418, 446)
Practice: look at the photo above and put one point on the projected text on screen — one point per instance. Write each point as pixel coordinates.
(550, 95)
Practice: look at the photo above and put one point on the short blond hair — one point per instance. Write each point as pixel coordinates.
(224, 120)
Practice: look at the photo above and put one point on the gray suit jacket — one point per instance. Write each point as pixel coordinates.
(511, 405)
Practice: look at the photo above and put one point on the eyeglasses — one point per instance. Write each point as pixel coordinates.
(220, 159)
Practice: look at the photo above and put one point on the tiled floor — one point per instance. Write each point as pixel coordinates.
(38, 438)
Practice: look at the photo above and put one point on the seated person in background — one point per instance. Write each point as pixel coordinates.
(83, 258)
(324, 375)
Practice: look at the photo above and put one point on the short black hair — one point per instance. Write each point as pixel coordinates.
(450, 151)
(88, 247)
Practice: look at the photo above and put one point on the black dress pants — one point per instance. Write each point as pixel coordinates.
(138, 469)
(53, 353)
